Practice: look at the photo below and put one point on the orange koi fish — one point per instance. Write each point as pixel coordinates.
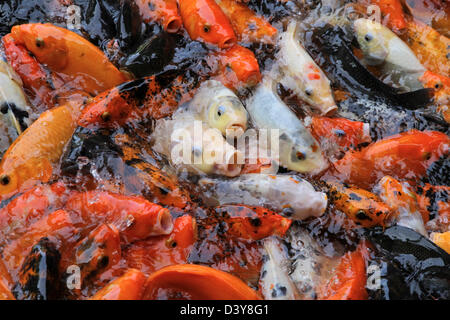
(349, 279)
(31, 157)
(164, 12)
(17, 216)
(361, 206)
(70, 55)
(36, 80)
(155, 253)
(136, 99)
(204, 20)
(442, 240)
(394, 17)
(134, 217)
(195, 282)
(342, 132)
(58, 227)
(441, 86)
(403, 156)
(130, 286)
(253, 223)
(236, 67)
(249, 27)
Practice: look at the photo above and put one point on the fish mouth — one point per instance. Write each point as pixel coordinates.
(164, 222)
(227, 42)
(231, 167)
(173, 25)
(237, 130)
(330, 110)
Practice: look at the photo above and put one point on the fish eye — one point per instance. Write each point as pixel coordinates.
(106, 116)
(221, 110)
(368, 37)
(309, 92)
(4, 179)
(437, 85)
(206, 28)
(39, 43)
(300, 155)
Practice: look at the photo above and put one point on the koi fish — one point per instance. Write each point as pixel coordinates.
(35, 78)
(249, 27)
(69, 54)
(433, 202)
(220, 108)
(402, 200)
(31, 157)
(441, 86)
(199, 149)
(134, 217)
(310, 265)
(274, 281)
(253, 223)
(204, 20)
(299, 151)
(98, 252)
(302, 75)
(429, 46)
(152, 254)
(361, 206)
(39, 274)
(164, 12)
(382, 47)
(129, 286)
(195, 282)
(19, 214)
(339, 133)
(293, 197)
(403, 156)
(442, 240)
(393, 13)
(136, 99)
(237, 67)
(58, 227)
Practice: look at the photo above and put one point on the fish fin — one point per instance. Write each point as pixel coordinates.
(415, 99)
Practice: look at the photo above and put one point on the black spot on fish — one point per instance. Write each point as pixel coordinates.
(279, 291)
(354, 196)
(256, 222)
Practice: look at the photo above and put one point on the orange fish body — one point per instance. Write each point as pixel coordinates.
(155, 253)
(393, 13)
(135, 99)
(5, 293)
(195, 282)
(248, 26)
(361, 206)
(34, 77)
(340, 131)
(134, 217)
(57, 226)
(237, 67)
(164, 12)
(403, 156)
(253, 223)
(349, 279)
(430, 47)
(130, 286)
(20, 213)
(30, 158)
(204, 20)
(442, 240)
(69, 54)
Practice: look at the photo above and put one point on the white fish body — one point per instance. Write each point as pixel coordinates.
(274, 280)
(382, 47)
(218, 106)
(287, 194)
(302, 75)
(191, 144)
(298, 150)
(310, 266)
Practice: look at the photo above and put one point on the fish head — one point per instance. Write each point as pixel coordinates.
(9, 183)
(318, 94)
(373, 40)
(301, 158)
(46, 42)
(227, 113)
